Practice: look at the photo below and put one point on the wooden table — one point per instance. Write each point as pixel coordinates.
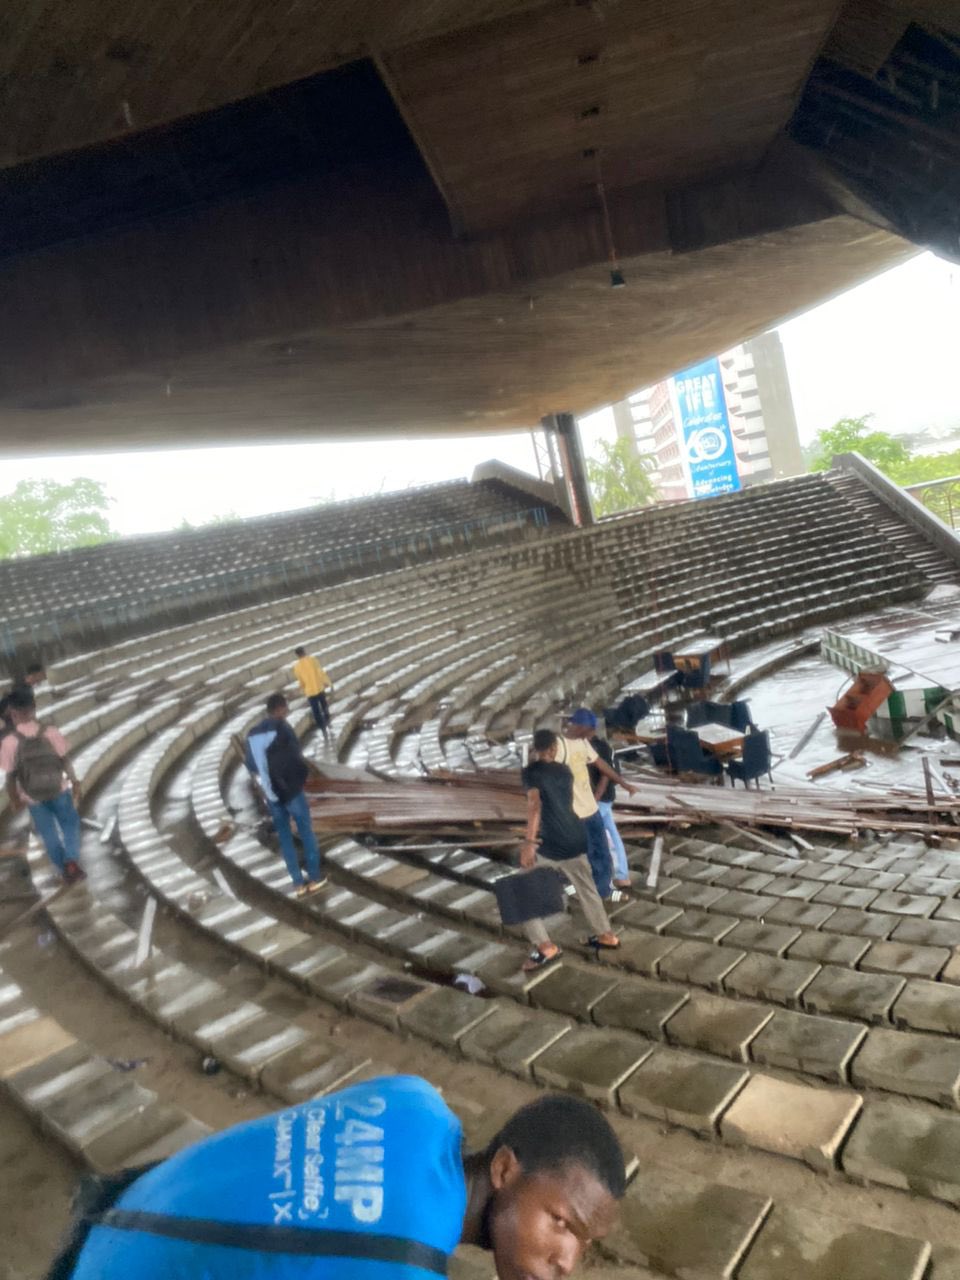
(720, 739)
(690, 656)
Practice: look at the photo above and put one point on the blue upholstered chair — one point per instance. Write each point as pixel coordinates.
(740, 717)
(698, 713)
(688, 756)
(756, 760)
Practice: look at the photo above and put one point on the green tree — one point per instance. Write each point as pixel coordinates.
(619, 479)
(42, 515)
(853, 435)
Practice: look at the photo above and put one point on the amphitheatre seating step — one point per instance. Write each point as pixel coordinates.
(106, 1120)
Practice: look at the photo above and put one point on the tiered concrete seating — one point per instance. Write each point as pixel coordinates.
(106, 1120)
(103, 590)
(801, 1004)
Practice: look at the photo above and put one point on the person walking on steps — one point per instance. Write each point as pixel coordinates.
(574, 750)
(275, 760)
(314, 684)
(40, 776)
(605, 792)
(555, 834)
(371, 1182)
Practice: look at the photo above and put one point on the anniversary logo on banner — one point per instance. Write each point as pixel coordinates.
(705, 423)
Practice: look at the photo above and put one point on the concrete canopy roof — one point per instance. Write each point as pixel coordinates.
(213, 225)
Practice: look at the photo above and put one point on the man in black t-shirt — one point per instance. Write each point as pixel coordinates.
(555, 834)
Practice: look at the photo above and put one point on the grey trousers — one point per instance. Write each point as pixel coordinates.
(580, 876)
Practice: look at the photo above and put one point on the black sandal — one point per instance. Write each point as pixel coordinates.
(594, 941)
(537, 960)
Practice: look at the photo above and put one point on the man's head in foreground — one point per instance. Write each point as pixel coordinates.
(277, 707)
(582, 724)
(21, 706)
(545, 744)
(545, 1186)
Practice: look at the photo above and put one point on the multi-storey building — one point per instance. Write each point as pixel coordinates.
(725, 424)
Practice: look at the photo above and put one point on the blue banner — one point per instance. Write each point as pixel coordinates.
(707, 442)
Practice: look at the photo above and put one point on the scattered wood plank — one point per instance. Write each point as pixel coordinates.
(853, 759)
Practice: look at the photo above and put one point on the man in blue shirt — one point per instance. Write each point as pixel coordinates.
(366, 1184)
(276, 761)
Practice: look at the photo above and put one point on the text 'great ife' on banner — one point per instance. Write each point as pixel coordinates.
(705, 423)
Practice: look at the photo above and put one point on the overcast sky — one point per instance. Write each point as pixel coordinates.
(889, 347)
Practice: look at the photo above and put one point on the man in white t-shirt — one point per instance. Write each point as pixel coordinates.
(40, 776)
(575, 751)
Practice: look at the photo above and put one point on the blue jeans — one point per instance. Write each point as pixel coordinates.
(299, 811)
(598, 854)
(321, 712)
(57, 823)
(619, 854)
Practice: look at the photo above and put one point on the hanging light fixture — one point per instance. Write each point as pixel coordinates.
(617, 279)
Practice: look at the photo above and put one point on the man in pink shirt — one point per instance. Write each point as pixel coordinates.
(40, 775)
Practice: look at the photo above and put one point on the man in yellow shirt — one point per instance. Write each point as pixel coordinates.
(578, 755)
(314, 684)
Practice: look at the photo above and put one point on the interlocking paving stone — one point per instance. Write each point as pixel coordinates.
(386, 997)
(691, 894)
(717, 1025)
(864, 878)
(247, 1050)
(337, 981)
(743, 878)
(905, 904)
(752, 935)
(863, 924)
(594, 1062)
(313, 1067)
(791, 1119)
(808, 1044)
(144, 1136)
(929, 1006)
(789, 887)
(746, 906)
(937, 886)
(445, 1015)
(867, 996)
(798, 1244)
(684, 1226)
(902, 957)
(838, 895)
(806, 915)
(770, 978)
(828, 948)
(81, 1115)
(951, 971)
(949, 909)
(825, 873)
(682, 1089)
(503, 974)
(902, 1145)
(646, 915)
(921, 1066)
(511, 1039)
(664, 885)
(30, 1043)
(638, 1005)
(703, 926)
(573, 991)
(699, 963)
(641, 952)
(61, 1071)
(698, 869)
(928, 933)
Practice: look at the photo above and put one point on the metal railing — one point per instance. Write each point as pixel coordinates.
(942, 497)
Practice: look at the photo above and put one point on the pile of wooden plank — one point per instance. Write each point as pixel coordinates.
(451, 802)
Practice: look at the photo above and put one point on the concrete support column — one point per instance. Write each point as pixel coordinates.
(563, 426)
